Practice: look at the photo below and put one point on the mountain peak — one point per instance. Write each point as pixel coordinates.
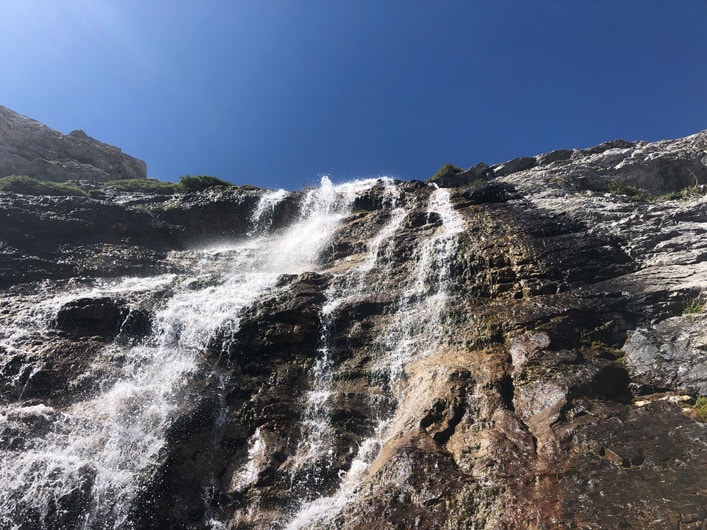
(28, 147)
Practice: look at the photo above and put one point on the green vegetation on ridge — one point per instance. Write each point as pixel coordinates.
(30, 186)
(145, 186)
(446, 171)
(701, 408)
(201, 182)
(186, 183)
(636, 194)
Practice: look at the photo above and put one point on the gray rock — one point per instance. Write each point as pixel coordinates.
(671, 355)
(656, 168)
(30, 148)
(555, 156)
(517, 164)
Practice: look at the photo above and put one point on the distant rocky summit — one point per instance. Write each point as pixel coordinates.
(30, 148)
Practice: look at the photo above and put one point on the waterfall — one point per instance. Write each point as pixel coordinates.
(87, 463)
(422, 305)
(262, 218)
(315, 453)
(414, 332)
(95, 455)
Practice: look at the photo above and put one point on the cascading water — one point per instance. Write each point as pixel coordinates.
(422, 305)
(262, 218)
(94, 456)
(86, 464)
(315, 453)
(414, 332)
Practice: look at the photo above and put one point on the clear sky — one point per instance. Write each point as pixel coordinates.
(277, 93)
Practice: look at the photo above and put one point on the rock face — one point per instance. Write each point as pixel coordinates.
(29, 148)
(524, 349)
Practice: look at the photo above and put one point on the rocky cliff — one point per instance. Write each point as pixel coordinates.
(525, 348)
(30, 148)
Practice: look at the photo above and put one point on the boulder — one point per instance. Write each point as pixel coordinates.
(92, 317)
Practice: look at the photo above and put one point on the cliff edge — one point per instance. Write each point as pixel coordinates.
(30, 148)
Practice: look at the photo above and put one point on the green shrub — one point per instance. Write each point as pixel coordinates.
(701, 408)
(618, 187)
(31, 186)
(693, 306)
(447, 170)
(683, 194)
(201, 182)
(145, 186)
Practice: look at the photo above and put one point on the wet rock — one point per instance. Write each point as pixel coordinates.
(377, 198)
(491, 192)
(286, 322)
(410, 490)
(492, 386)
(212, 216)
(136, 326)
(62, 237)
(92, 317)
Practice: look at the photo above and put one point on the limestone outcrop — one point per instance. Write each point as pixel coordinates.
(30, 148)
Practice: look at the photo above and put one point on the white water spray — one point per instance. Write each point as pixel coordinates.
(414, 332)
(100, 451)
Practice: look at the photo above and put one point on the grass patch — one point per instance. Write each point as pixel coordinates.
(683, 194)
(186, 183)
(701, 408)
(636, 194)
(559, 181)
(693, 306)
(606, 348)
(609, 351)
(31, 186)
(145, 186)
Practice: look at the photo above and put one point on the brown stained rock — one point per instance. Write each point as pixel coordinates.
(410, 491)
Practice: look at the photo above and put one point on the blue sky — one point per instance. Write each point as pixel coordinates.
(276, 93)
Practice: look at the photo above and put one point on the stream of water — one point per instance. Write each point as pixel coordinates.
(99, 451)
(93, 456)
(413, 333)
